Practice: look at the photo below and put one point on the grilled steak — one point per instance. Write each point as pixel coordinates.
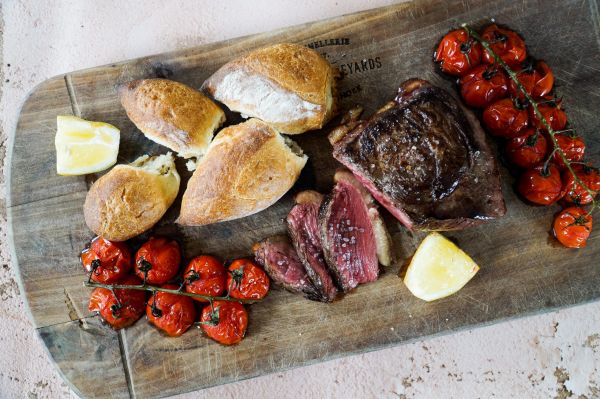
(348, 234)
(425, 158)
(303, 228)
(281, 262)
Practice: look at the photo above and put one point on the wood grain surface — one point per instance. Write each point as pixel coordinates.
(522, 270)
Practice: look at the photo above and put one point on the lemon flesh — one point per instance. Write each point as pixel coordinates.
(438, 269)
(84, 147)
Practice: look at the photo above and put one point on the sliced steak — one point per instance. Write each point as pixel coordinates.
(426, 159)
(281, 263)
(348, 236)
(303, 228)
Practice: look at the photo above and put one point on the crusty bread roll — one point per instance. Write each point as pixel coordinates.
(172, 114)
(130, 199)
(288, 86)
(247, 168)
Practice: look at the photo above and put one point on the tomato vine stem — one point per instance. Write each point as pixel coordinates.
(534, 105)
(154, 289)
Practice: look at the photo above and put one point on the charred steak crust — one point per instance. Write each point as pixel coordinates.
(426, 159)
(348, 237)
(303, 228)
(279, 259)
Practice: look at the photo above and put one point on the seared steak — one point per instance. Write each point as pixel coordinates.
(281, 262)
(348, 236)
(425, 158)
(303, 228)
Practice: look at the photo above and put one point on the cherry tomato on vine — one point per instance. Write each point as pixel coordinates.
(536, 77)
(483, 85)
(572, 227)
(574, 192)
(123, 308)
(159, 258)
(506, 118)
(550, 108)
(572, 147)
(541, 185)
(173, 314)
(205, 275)
(527, 149)
(458, 52)
(246, 280)
(506, 43)
(225, 322)
(108, 261)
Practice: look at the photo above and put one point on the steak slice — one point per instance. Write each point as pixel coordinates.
(280, 261)
(348, 236)
(303, 228)
(425, 158)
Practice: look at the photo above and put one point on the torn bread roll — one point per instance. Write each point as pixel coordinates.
(172, 114)
(130, 199)
(289, 86)
(247, 168)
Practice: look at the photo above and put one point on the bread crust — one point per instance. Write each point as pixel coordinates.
(172, 114)
(130, 199)
(299, 75)
(247, 168)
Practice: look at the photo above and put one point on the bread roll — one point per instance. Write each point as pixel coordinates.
(130, 199)
(172, 114)
(247, 168)
(288, 86)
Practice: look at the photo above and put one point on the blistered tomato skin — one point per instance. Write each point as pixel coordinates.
(108, 261)
(506, 118)
(121, 309)
(573, 148)
(159, 258)
(572, 227)
(506, 43)
(540, 185)
(551, 110)
(227, 325)
(170, 313)
(457, 53)
(254, 283)
(527, 149)
(575, 192)
(205, 275)
(536, 77)
(483, 85)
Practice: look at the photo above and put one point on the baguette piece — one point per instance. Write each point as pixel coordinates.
(246, 169)
(130, 199)
(172, 114)
(289, 86)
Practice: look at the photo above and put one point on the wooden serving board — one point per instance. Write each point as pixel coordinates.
(522, 271)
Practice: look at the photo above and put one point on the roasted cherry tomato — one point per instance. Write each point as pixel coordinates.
(572, 227)
(506, 43)
(246, 280)
(483, 85)
(225, 322)
(536, 77)
(574, 192)
(159, 258)
(458, 52)
(542, 186)
(527, 149)
(107, 260)
(123, 308)
(205, 275)
(506, 118)
(171, 313)
(572, 147)
(552, 112)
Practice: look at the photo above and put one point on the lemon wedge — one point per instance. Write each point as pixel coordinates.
(84, 147)
(438, 269)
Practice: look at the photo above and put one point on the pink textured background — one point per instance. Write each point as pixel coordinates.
(552, 355)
